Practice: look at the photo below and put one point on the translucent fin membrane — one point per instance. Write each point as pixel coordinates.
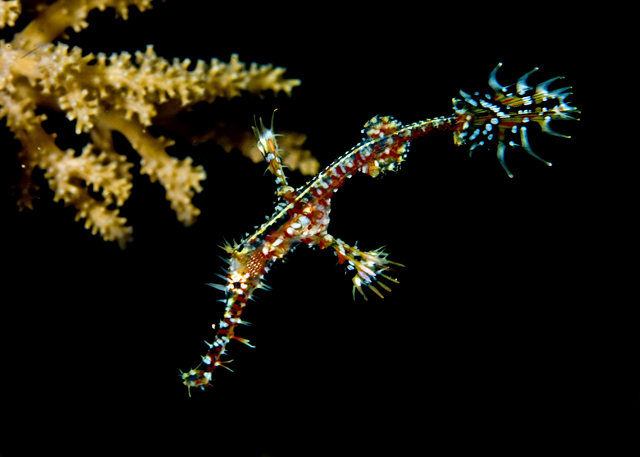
(493, 118)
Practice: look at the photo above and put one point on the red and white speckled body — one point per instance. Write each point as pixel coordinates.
(302, 215)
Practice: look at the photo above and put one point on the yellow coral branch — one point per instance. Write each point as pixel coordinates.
(101, 95)
(9, 12)
(66, 174)
(63, 14)
(179, 178)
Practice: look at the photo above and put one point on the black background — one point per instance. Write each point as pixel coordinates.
(495, 338)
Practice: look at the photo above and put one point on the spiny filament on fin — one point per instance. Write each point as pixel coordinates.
(268, 146)
(368, 266)
(302, 215)
(490, 119)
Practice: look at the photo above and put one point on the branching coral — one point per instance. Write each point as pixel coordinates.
(9, 12)
(123, 93)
